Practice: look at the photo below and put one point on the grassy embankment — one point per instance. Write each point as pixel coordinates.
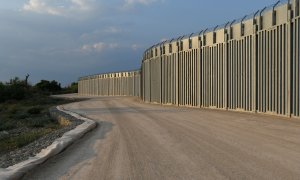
(24, 120)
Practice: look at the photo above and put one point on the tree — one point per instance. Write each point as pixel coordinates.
(15, 89)
(74, 87)
(48, 86)
(3, 92)
(26, 79)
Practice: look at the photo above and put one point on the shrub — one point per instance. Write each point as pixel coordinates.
(15, 89)
(22, 140)
(48, 86)
(38, 122)
(35, 110)
(7, 125)
(21, 115)
(13, 109)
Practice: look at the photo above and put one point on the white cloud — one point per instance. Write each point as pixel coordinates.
(98, 47)
(145, 2)
(39, 6)
(60, 8)
(83, 5)
(128, 4)
(112, 30)
(135, 47)
(102, 33)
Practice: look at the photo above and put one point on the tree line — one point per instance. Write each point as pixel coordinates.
(18, 89)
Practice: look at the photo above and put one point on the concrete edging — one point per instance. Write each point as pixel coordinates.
(18, 170)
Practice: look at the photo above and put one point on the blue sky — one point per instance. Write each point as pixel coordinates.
(65, 39)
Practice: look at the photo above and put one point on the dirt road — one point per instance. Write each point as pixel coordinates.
(139, 141)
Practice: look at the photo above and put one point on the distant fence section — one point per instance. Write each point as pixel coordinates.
(111, 84)
(251, 64)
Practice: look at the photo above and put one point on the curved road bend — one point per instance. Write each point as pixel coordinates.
(139, 141)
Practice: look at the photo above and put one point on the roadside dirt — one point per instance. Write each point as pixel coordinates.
(135, 140)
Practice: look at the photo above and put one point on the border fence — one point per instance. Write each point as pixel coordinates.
(250, 64)
(111, 84)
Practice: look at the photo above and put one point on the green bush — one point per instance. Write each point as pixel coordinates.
(48, 86)
(7, 125)
(34, 110)
(38, 121)
(3, 92)
(24, 106)
(15, 89)
(21, 115)
(22, 140)
(13, 109)
(73, 88)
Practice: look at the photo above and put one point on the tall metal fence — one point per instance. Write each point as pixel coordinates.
(111, 84)
(250, 64)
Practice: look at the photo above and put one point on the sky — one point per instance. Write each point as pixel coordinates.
(63, 40)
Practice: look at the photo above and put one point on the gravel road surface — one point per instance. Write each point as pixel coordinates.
(138, 141)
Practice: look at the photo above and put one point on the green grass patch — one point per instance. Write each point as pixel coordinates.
(11, 143)
(32, 114)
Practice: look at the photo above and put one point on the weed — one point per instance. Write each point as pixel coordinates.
(38, 122)
(13, 109)
(7, 125)
(34, 110)
(31, 113)
(22, 140)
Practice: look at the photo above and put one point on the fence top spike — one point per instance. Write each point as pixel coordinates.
(255, 13)
(204, 31)
(199, 34)
(276, 4)
(232, 22)
(178, 38)
(260, 13)
(216, 27)
(226, 24)
(243, 19)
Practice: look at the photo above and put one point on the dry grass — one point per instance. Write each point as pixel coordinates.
(31, 114)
